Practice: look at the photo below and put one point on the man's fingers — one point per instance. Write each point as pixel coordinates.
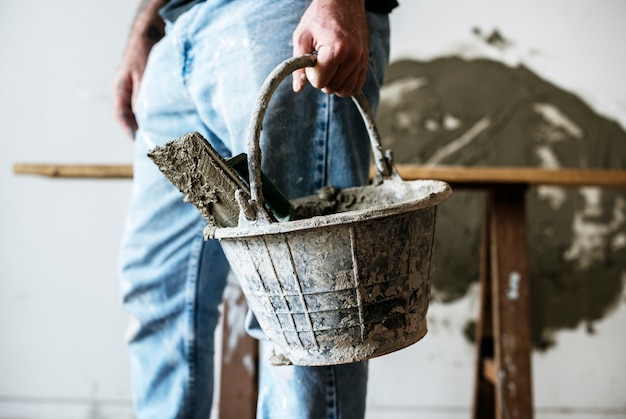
(324, 70)
(344, 80)
(349, 85)
(352, 83)
(126, 118)
(130, 123)
(123, 107)
(342, 77)
(302, 45)
(299, 80)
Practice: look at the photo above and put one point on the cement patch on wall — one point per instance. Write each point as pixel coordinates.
(451, 111)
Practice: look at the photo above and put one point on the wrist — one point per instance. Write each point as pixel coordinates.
(148, 26)
(350, 4)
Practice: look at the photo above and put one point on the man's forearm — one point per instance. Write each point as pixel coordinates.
(148, 28)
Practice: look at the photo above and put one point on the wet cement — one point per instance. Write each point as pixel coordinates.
(204, 178)
(450, 111)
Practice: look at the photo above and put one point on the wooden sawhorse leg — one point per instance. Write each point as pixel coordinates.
(239, 375)
(502, 387)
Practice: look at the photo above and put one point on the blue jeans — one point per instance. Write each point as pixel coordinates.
(204, 76)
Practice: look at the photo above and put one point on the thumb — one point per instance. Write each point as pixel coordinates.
(312, 75)
(299, 80)
(320, 75)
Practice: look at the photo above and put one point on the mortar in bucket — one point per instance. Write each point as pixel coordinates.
(344, 286)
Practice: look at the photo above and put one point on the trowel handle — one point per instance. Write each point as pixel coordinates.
(383, 165)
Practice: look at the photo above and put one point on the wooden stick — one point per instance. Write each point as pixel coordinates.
(458, 175)
(106, 171)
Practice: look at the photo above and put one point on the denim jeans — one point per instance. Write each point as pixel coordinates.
(204, 76)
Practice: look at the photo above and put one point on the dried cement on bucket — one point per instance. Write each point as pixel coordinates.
(345, 286)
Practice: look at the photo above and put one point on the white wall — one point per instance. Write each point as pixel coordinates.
(61, 326)
(62, 352)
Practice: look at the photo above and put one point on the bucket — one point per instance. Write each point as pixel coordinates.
(350, 284)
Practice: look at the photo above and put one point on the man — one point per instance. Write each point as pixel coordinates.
(207, 60)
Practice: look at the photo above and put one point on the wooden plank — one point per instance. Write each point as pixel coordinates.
(94, 171)
(484, 177)
(493, 176)
(510, 299)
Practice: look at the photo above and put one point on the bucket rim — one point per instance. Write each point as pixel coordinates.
(440, 191)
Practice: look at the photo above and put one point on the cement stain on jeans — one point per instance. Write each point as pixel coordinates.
(481, 112)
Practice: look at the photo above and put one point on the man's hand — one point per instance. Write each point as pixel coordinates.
(147, 30)
(338, 32)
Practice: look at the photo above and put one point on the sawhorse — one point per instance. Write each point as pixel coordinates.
(503, 380)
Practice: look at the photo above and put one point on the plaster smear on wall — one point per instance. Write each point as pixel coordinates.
(482, 112)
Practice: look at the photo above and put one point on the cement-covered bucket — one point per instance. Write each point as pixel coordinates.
(345, 286)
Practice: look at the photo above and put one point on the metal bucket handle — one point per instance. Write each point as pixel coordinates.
(255, 208)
